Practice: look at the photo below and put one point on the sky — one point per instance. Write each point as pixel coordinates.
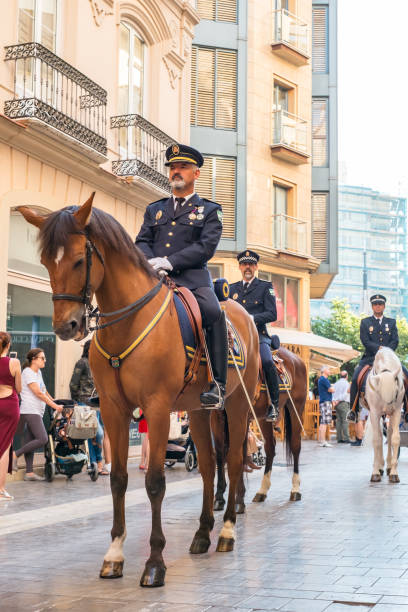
(373, 94)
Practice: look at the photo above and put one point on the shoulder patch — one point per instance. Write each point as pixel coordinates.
(219, 215)
(271, 291)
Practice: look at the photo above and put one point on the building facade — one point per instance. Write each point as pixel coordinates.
(93, 92)
(372, 243)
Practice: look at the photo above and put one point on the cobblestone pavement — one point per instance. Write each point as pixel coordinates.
(344, 546)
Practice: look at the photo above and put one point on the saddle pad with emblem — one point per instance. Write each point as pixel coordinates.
(189, 340)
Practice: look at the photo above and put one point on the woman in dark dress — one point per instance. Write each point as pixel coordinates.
(10, 386)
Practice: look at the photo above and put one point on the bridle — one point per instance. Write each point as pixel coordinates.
(85, 296)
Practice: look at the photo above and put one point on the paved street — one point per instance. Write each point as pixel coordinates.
(343, 547)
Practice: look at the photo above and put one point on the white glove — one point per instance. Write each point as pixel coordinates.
(160, 263)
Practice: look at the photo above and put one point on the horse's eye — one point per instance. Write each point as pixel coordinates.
(78, 263)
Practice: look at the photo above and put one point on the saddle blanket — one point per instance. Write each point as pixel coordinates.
(285, 381)
(189, 341)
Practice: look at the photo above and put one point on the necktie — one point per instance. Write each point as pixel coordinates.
(179, 204)
(246, 285)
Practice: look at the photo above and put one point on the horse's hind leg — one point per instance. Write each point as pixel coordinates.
(378, 464)
(217, 426)
(201, 433)
(269, 447)
(118, 431)
(158, 422)
(295, 443)
(393, 444)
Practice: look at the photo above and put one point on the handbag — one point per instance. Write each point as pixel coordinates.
(83, 423)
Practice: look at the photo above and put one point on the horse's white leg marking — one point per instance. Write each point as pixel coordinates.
(266, 483)
(295, 483)
(228, 531)
(395, 439)
(115, 550)
(389, 443)
(60, 255)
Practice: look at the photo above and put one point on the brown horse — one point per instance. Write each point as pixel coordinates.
(293, 430)
(87, 253)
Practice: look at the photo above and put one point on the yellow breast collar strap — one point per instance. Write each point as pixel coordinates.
(115, 360)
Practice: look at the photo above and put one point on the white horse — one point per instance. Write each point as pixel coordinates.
(384, 396)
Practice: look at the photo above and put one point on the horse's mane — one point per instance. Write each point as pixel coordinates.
(58, 226)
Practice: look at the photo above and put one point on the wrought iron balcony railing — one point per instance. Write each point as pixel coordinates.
(290, 30)
(289, 234)
(48, 88)
(141, 149)
(290, 131)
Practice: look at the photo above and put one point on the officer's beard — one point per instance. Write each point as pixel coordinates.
(178, 184)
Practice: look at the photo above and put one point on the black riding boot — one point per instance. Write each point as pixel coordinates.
(272, 382)
(217, 342)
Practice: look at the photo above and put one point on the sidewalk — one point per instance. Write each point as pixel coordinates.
(344, 546)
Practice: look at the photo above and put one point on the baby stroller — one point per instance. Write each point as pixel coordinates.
(182, 450)
(66, 451)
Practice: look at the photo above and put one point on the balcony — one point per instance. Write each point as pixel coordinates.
(141, 148)
(289, 234)
(291, 38)
(290, 138)
(54, 95)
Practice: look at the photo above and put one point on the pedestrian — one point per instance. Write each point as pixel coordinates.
(325, 404)
(362, 416)
(341, 401)
(81, 387)
(34, 397)
(144, 433)
(10, 386)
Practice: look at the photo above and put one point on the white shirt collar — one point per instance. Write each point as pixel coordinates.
(379, 318)
(249, 282)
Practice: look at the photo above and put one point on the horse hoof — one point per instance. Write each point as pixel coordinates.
(382, 472)
(259, 497)
(240, 508)
(199, 545)
(376, 477)
(393, 478)
(225, 544)
(218, 505)
(388, 471)
(153, 576)
(295, 496)
(111, 569)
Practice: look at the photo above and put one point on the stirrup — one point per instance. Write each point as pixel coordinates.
(351, 416)
(215, 402)
(273, 414)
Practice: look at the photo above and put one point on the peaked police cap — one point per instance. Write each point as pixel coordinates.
(183, 153)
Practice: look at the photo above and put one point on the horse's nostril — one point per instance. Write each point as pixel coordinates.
(74, 324)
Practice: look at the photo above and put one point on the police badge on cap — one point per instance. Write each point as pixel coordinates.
(183, 153)
(248, 256)
(378, 299)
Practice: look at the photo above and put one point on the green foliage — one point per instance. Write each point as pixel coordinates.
(344, 326)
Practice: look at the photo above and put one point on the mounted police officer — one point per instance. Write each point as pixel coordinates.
(375, 332)
(179, 235)
(258, 299)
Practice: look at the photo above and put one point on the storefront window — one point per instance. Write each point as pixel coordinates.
(287, 299)
(29, 321)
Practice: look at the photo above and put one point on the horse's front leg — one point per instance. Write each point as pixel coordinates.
(393, 445)
(201, 433)
(269, 448)
(378, 464)
(158, 422)
(117, 426)
(295, 444)
(217, 426)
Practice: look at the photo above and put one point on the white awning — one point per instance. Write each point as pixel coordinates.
(324, 350)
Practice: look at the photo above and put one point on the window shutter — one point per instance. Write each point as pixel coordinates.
(319, 52)
(193, 97)
(217, 183)
(320, 225)
(227, 10)
(226, 94)
(202, 87)
(319, 132)
(206, 9)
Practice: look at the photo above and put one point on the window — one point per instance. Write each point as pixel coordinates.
(287, 299)
(280, 211)
(216, 270)
(320, 154)
(214, 88)
(217, 10)
(37, 22)
(280, 98)
(131, 71)
(320, 221)
(23, 249)
(217, 182)
(320, 63)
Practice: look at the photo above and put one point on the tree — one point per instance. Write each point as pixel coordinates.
(344, 326)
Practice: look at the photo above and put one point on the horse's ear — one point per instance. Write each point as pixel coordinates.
(83, 215)
(31, 216)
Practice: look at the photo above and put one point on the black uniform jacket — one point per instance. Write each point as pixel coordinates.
(259, 300)
(373, 336)
(188, 239)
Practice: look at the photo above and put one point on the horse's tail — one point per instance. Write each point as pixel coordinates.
(368, 434)
(288, 437)
(226, 432)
